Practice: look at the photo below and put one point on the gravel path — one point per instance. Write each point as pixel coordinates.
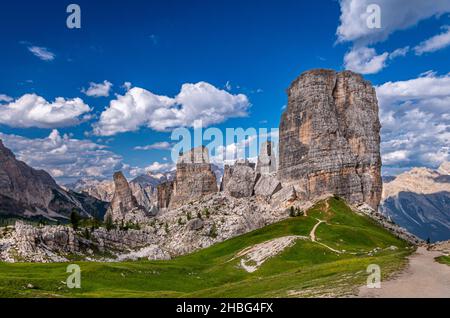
(423, 278)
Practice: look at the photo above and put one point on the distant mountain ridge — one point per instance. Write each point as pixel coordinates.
(419, 200)
(143, 186)
(27, 192)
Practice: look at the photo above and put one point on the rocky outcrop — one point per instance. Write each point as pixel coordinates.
(419, 200)
(330, 137)
(194, 177)
(146, 196)
(176, 232)
(28, 243)
(267, 162)
(29, 193)
(164, 194)
(227, 217)
(124, 206)
(143, 188)
(285, 197)
(239, 180)
(227, 171)
(267, 186)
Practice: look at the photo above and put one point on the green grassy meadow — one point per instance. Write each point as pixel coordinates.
(443, 259)
(306, 269)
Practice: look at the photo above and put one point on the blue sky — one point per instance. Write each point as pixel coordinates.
(246, 53)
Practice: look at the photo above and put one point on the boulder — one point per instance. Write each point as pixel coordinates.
(267, 186)
(240, 179)
(195, 224)
(285, 196)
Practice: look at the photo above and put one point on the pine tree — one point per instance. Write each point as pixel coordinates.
(74, 219)
(292, 212)
(109, 222)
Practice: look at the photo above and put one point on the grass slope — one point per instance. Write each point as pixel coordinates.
(443, 259)
(305, 269)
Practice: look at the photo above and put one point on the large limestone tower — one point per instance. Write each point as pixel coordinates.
(330, 137)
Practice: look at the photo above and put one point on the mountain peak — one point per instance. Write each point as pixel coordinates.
(444, 168)
(5, 152)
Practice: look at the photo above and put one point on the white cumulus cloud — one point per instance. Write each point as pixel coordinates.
(65, 158)
(395, 15)
(140, 107)
(98, 89)
(415, 122)
(365, 60)
(32, 110)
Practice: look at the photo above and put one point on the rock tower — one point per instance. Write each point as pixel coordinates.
(194, 178)
(330, 137)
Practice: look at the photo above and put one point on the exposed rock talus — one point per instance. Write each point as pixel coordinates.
(194, 177)
(330, 137)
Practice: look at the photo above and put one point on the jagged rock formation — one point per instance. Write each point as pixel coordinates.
(165, 191)
(194, 177)
(124, 206)
(164, 237)
(239, 180)
(227, 171)
(143, 187)
(419, 200)
(267, 162)
(330, 137)
(26, 192)
(146, 196)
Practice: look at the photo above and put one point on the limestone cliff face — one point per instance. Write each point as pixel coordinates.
(330, 137)
(194, 177)
(22, 183)
(124, 206)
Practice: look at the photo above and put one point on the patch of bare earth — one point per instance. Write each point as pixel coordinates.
(254, 256)
(423, 278)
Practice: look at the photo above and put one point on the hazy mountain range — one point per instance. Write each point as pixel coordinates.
(419, 200)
